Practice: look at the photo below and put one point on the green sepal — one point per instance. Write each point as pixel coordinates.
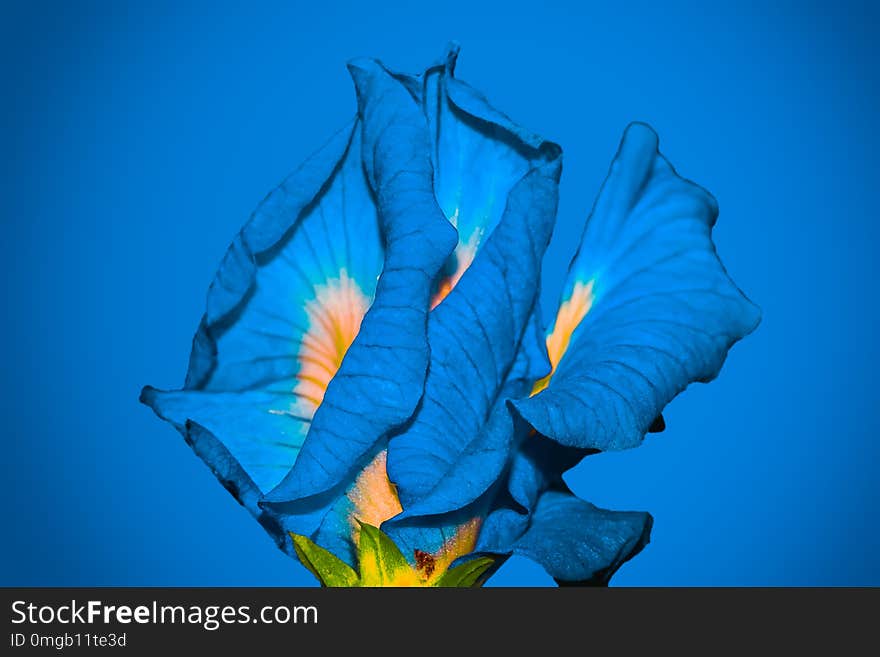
(380, 560)
(466, 574)
(327, 567)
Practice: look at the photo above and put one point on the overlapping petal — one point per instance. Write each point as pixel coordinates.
(458, 443)
(381, 379)
(340, 476)
(479, 155)
(498, 184)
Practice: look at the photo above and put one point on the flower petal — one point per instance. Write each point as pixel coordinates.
(446, 538)
(285, 304)
(648, 307)
(536, 466)
(317, 228)
(572, 539)
(478, 155)
(459, 440)
(381, 379)
(332, 518)
(262, 444)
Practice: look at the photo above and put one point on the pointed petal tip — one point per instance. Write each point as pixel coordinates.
(452, 50)
(362, 70)
(359, 64)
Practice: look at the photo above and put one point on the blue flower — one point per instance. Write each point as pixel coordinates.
(372, 353)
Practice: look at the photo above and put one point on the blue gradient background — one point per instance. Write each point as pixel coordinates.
(137, 140)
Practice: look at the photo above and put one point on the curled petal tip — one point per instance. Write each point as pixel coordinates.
(147, 396)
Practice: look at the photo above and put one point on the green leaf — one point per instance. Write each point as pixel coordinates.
(381, 561)
(466, 574)
(327, 567)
